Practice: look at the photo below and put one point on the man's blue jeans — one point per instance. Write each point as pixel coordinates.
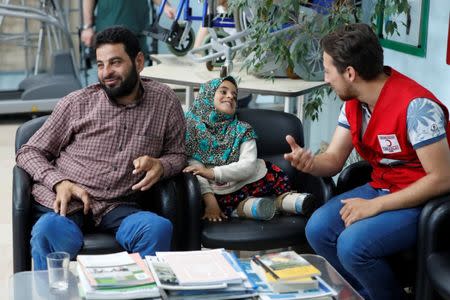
(135, 230)
(358, 251)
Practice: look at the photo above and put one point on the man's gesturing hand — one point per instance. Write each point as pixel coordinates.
(154, 169)
(65, 191)
(300, 158)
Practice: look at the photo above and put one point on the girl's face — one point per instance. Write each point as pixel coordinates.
(225, 98)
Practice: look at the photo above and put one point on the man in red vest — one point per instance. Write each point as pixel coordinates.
(402, 130)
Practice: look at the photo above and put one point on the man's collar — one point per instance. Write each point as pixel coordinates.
(140, 95)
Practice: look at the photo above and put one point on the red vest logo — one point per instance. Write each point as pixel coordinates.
(389, 143)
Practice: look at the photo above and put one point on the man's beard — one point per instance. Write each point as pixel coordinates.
(346, 97)
(347, 94)
(125, 88)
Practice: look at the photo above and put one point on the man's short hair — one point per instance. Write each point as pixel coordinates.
(119, 35)
(355, 45)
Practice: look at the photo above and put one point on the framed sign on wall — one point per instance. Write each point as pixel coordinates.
(411, 28)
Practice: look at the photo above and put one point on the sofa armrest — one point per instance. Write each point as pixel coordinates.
(194, 209)
(166, 199)
(175, 198)
(438, 268)
(321, 187)
(21, 219)
(433, 233)
(353, 176)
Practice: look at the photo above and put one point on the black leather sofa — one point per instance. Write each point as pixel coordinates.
(282, 231)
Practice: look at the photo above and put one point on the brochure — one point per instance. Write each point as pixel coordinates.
(115, 270)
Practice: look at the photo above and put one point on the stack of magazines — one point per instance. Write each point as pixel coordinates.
(200, 275)
(286, 275)
(115, 276)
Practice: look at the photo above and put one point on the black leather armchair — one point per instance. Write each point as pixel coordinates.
(282, 231)
(430, 258)
(169, 199)
(436, 251)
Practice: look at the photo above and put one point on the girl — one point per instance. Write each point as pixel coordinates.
(222, 153)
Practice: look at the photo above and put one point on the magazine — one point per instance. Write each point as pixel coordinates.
(166, 279)
(115, 270)
(201, 267)
(170, 287)
(132, 292)
(323, 292)
(284, 285)
(286, 265)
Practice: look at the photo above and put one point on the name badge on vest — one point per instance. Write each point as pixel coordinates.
(389, 143)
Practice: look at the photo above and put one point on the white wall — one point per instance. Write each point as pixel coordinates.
(431, 71)
(323, 128)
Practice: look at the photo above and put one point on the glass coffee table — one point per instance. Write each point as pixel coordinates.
(329, 274)
(34, 285)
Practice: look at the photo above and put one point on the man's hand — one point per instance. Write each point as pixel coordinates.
(300, 158)
(87, 36)
(212, 209)
(200, 170)
(65, 191)
(154, 169)
(356, 209)
(169, 11)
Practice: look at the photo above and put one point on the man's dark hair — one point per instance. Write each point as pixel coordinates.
(119, 35)
(355, 45)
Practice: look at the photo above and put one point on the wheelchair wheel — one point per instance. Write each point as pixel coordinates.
(310, 65)
(217, 62)
(183, 47)
(244, 18)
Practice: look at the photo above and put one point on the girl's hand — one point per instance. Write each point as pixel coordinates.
(214, 214)
(212, 209)
(200, 170)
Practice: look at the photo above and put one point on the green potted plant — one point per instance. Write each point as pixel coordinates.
(297, 46)
(296, 51)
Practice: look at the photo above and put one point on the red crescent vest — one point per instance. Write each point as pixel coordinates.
(386, 136)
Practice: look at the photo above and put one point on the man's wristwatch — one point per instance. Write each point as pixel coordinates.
(87, 26)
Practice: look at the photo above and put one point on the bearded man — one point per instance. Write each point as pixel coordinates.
(87, 160)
